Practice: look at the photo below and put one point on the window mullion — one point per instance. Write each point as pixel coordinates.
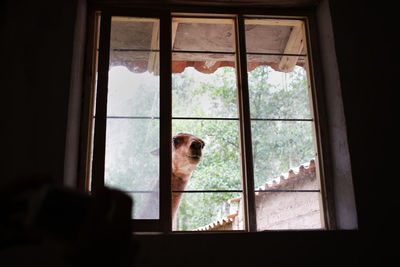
(101, 105)
(245, 128)
(165, 121)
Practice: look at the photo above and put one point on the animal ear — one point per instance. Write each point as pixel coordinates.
(155, 152)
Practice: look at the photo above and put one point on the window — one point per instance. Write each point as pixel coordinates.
(239, 84)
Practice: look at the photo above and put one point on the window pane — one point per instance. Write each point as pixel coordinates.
(278, 95)
(129, 162)
(146, 205)
(274, 36)
(202, 34)
(134, 67)
(197, 94)
(135, 44)
(288, 211)
(133, 94)
(287, 190)
(130, 166)
(279, 146)
(204, 104)
(134, 33)
(209, 212)
(133, 111)
(219, 168)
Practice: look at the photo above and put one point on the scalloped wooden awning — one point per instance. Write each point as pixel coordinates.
(206, 44)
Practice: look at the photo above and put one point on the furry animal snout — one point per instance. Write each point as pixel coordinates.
(195, 149)
(196, 146)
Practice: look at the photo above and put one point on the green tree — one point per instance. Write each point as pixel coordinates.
(277, 144)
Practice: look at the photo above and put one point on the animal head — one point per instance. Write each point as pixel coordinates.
(186, 154)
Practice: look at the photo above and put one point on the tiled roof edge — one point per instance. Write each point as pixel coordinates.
(293, 174)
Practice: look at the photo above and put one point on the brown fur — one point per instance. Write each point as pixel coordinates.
(186, 155)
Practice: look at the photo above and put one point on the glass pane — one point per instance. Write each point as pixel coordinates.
(135, 44)
(203, 34)
(219, 167)
(204, 104)
(134, 33)
(288, 211)
(278, 95)
(129, 162)
(132, 113)
(280, 146)
(130, 166)
(274, 36)
(211, 95)
(133, 94)
(209, 212)
(146, 205)
(287, 189)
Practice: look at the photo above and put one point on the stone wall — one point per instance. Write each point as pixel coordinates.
(290, 210)
(293, 203)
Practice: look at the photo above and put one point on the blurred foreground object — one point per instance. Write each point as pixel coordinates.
(46, 225)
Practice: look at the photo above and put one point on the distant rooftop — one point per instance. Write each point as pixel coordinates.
(294, 175)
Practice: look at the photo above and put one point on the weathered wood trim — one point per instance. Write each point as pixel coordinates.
(101, 105)
(246, 150)
(294, 45)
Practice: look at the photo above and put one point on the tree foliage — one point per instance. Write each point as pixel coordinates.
(277, 145)
(280, 141)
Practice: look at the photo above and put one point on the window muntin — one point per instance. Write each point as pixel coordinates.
(252, 54)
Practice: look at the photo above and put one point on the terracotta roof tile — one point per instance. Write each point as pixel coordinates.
(292, 175)
(217, 224)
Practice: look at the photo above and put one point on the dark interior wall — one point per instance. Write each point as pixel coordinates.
(36, 45)
(37, 48)
(251, 249)
(365, 47)
(365, 43)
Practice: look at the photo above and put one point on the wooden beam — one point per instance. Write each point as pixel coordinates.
(154, 57)
(173, 32)
(294, 45)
